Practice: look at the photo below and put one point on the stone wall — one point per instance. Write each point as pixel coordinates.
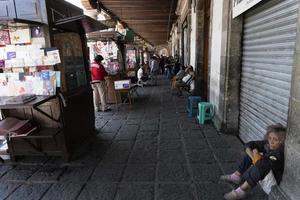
(291, 178)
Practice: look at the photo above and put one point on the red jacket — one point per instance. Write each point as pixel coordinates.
(98, 72)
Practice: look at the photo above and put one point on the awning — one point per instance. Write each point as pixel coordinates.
(103, 35)
(77, 23)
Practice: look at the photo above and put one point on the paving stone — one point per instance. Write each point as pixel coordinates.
(229, 155)
(195, 144)
(107, 135)
(116, 156)
(192, 135)
(147, 135)
(144, 156)
(229, 168)
(4, 169)
(133, 191)
(170, 134)
(206, 172)
(108, 173)
(111, 127)
(149, 127)
(175, 191)
(133, 121)
(210, 133)
(170, 145)
(177, 157)
(218, 142)
(99, 123)
(46, 174)
(169, 125)
(98, 190)
(20, 173)
(63, 190)
(173, 173)
(149, 120)
(203, 156)
(129, 132)
(145, 145)
(76, 174)
(139, 173)
(121, 145)
(6, 188)
(30, 191)
(212, 191)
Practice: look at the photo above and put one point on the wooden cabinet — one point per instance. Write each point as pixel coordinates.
(32, 10)
(7, 9)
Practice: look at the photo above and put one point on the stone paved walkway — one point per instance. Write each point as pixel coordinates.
(149, 151)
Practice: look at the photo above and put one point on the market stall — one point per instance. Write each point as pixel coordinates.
(45, 81)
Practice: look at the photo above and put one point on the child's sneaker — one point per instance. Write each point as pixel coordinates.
(235, 194)
(234, 178)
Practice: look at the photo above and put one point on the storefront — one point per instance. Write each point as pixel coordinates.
(267, 61)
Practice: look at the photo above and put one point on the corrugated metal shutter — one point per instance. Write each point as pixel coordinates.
(268, 50)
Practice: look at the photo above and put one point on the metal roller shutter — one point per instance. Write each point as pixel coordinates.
(268, 50)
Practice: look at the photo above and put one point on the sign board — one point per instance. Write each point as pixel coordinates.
(122, 84)
(240, 6)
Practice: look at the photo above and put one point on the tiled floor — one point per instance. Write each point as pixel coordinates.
(149, 151)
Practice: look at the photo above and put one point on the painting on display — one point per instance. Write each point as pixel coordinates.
(109, 51)
(20, 36)
(4, 37)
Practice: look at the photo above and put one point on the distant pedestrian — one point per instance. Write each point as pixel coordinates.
(154, 69)
(263, 158)
(99, 74)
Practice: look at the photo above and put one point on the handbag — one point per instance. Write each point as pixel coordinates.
(267, 183)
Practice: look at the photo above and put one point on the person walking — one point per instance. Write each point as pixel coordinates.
(98, 74)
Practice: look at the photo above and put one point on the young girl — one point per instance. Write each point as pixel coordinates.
(262, 156)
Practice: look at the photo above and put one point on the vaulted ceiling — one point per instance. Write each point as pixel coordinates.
(151, 19)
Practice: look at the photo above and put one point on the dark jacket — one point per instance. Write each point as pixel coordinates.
(272, 159)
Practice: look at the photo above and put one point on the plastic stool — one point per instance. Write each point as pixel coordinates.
(192, 103)
(206, 112)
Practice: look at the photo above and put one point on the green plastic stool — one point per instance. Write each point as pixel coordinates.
(205, 112)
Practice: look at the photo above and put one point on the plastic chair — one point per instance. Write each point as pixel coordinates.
(205, 112)
(192, 103)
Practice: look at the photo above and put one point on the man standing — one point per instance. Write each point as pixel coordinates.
(98, 74)
(154, 69)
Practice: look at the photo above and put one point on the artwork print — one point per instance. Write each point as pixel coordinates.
(4, 37)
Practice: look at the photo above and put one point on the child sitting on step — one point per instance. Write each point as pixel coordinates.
(262, 157)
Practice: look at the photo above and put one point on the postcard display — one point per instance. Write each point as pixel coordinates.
(110, 52)
(26, 63)
(131, 59)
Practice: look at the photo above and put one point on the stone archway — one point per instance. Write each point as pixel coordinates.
(162, 50)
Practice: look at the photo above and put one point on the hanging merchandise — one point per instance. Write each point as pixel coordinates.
(131, 57)
(110, 52)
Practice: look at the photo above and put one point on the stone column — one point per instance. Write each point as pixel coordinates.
(199, 81)
(289, 187)
(226, 87)
(232, 71)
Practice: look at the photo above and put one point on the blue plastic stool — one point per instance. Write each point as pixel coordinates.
(205, 112)
(192, 105)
